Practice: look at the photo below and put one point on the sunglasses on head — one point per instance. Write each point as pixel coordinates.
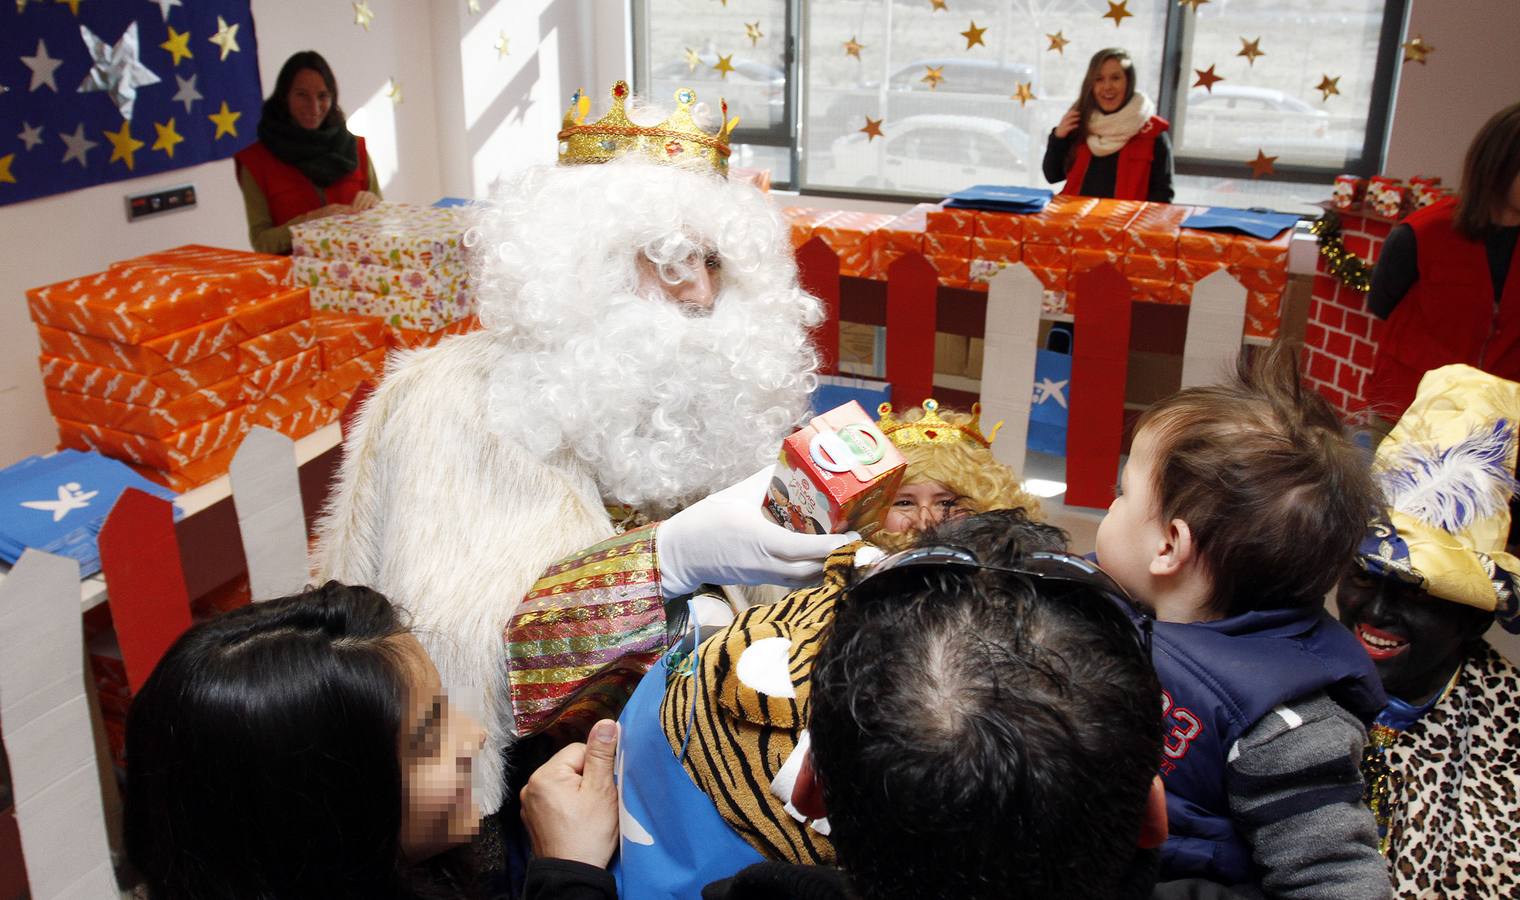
(1111, 601)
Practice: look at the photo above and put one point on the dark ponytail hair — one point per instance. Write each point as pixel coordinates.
(277, 104)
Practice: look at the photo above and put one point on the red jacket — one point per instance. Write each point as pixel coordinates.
(1132, 180)
(1448, 316)
(290, 193)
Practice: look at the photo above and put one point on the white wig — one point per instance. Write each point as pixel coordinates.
(662, 405)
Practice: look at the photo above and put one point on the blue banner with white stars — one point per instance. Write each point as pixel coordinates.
(93, 91)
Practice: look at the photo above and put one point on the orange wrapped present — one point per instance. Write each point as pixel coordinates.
(1263, 314)
(1146, 290)
(904, 233)
(1103, 226)
(803, 220)
(172, 351)
(242, 273)
(1268, 281)
(1155, 228)
(1083, 258)
(274, 312)
(1191, 271)
(1150, 265)
(1053, 279)
(1247, 252)
(171, 453)
(282, 373)
(995, 249)
(304, 421)
(127, 305)
(1204, 244)
(950, 220)
(1047, 256)
(1055, 224)
(311, 393)
(882, 259)
(848, 235)
(154, 421)
(347, 376)
(941, 244)
(410, 339)
(130, 387)
(268, 349)
(998, 226)
(344, 337)
(954, 271)
(195, 473)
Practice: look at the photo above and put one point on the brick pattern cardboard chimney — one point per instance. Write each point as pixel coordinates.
(1341, 337)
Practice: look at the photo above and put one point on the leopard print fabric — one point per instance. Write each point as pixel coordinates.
(1455, 827)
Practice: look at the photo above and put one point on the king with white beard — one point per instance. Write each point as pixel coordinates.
(645, 343)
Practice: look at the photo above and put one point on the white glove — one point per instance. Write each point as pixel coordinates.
(727, 538)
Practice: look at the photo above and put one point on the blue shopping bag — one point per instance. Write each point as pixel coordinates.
(1048, 408)
(834, 391)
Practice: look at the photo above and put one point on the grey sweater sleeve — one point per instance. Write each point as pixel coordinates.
(1296, 795)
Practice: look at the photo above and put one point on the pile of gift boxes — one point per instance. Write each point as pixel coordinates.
(1385, 196)
(166, 360)
(1145, 241)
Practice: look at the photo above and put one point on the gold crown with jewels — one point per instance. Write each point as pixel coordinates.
(678, 139)
(933, 429)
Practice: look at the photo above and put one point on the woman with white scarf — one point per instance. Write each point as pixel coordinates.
(1111, 143)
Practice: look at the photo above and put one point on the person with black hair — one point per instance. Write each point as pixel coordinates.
(301, 747)
(306, 164)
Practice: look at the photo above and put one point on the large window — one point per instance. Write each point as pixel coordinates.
(917, 98)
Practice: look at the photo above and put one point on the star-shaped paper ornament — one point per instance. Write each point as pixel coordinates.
(117, 70)
(872, 129)
(78, 145)
(187, 92)
(164, 6)
(1024, 92)
(123, 145)
(933, 76)
(472, 6)
(20, 7)
(43, 67)
(363, 15)
(31, 135)
(1328, 87)
(5, 169)
(167, 137)
(724, 65)
(853, 47)
(226, 38)
(973, 35)
(1416, 50)
(692, 60)
(1207, 79)
(1118, 12)
(393, 91)
(178, 45)
(1058, 42)
(226, 121)
(502, 45)
(1193, 3)
(1251, 50)
(73, 6)
(938, 5)
(1262, 164)
(752, 31)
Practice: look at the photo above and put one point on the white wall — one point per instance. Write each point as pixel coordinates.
(465, 117)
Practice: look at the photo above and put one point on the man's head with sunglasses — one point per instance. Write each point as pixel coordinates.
(985, 722)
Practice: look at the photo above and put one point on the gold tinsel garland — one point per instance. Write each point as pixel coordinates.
(1347, 268)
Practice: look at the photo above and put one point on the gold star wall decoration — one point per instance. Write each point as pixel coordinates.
(1118, 12)
(502, 45)
(938, 5)
(1058, 42)
(73, 6)
(363, 15)
(1328, 87)
(20, 7)
(472, 6)
(1262, 164)
(123, 145)
(178, 45)
(1207, 79)
(973, 35)
(853, 47)
(1024, 92)
(752, 31)
(167, 137)
(1251, 50)
(1193, 3)
(692, 60)
(393, 91)
(5, 167)
(225, 37)
(932, 77)
(724, 65)
(872, 129)
(226, 121)
(1416, 50)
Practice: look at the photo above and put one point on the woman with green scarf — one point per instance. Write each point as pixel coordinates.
(306, 164)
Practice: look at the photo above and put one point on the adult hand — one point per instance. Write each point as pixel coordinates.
(1068, 123)
(570, 804)
(365, 200)
(727, 538)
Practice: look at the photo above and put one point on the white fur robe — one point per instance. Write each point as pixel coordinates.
(452, 522)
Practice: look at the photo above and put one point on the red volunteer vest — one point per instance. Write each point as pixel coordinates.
(1132, 181)
(1447, 317)
(290, 193)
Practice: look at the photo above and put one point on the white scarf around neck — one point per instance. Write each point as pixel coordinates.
(1108, 132)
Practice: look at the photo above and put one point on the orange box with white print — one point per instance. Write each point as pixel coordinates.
(882, 259)
(1150, 265)
(127, 306)
(996, 249)
(1155, 228)
(1263, 314)
(937, 244)
(107, 383)
(1054, 279)
(905, 233)
(343, 337)
(848, 234)
(271, 313)
(1048, 256)
(1269, 281)
(1057, 222)
(261, 382)
(954, 271)
(1084, 258)
(1191, 271)
(304, 421)
(160, 354)
(194, 473)
(171, 453)
(803, 219)
(1146, 290)
(951, 220)
(1103, 225)
(347, 376)
(269, 348)
(411, 339)
(1247, 252)
(1204, 244)
(311, 393)
(999, 226)
(242, 273)
(838, 473)
(154, 421)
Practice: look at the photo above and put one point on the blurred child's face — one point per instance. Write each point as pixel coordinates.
(1132, 530)
(438, 748)
(919, 507)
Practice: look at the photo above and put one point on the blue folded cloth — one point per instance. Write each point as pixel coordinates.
(1258, 223)
(1000, 198)
(58, 503)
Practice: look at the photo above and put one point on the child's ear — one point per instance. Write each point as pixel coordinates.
(1176, 550)
(1153, 827)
